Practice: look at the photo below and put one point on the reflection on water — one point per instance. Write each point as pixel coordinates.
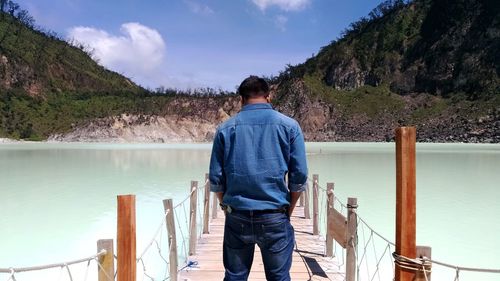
(58, 199)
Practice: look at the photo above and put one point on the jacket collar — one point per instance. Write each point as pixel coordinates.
(256, 106)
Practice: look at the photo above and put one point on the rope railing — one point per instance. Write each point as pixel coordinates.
(181, 213)
(375, 254)
(64, 266)
(157, 241)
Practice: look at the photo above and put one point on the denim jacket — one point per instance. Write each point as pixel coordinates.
(253, 153)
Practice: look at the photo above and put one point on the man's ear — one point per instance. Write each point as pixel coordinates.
(268, 98)
(242, 100)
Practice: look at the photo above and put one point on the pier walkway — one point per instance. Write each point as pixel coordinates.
(309, 261)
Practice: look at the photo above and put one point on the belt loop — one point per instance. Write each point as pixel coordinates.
(251, 213)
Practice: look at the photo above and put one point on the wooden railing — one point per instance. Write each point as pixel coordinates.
(340, 228)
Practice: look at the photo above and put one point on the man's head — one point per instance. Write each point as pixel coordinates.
(254, 90)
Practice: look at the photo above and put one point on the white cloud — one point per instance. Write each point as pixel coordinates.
(286, 5)
(280, 22)
(139, 51)
(198, 8)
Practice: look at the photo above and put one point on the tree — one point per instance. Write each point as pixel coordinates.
(13, 7)
(26, 18)
(2, 5)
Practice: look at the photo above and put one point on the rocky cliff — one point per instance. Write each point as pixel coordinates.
(184, 119)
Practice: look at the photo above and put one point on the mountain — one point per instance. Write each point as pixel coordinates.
(430, 63)
(39, 62)
(433, 64)
(49, 86)
(441, 47)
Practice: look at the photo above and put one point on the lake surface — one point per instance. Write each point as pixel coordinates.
(57, 200)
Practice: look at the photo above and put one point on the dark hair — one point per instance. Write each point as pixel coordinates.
(253, 86)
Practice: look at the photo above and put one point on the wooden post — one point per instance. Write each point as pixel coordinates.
(106, 268)
(329, 217)
(405, 199)
(215, 205)
(307, 211)
(315, 205)
(192, 217)
(126, 239)
(168, 206)
(424, 251)
(206, 206)
(352, 239)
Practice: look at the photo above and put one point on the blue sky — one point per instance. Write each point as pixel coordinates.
(195, 43)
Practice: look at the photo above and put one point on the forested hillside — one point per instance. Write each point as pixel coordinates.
(440, 47)
(433, 64)
(430, 63)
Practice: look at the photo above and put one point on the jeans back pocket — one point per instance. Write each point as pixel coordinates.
(277, 235)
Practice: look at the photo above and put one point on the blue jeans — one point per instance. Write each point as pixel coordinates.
(275, 237)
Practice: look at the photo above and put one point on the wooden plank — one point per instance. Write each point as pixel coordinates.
(192, 217)
(106, 268)
(315, 205)
(337, 226)
(352, 237)
(206, 206)
(405, 199)
(168, 206)
(126, 239)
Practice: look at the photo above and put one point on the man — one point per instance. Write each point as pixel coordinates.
(252, 154)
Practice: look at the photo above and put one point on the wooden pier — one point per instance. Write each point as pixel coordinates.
(309, 261)
(197, 224)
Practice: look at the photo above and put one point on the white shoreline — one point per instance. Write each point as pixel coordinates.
(6, 140)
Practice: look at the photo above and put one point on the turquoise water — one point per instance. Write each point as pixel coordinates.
(57, 200)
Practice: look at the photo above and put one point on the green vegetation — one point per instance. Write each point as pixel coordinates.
(439, 47)
(48, 86)
(434, 109)
(41, 63)
(34, 118)
(406, 62)
(368, 100)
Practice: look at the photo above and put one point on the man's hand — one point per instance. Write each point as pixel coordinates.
(220, 196)
(294, 197)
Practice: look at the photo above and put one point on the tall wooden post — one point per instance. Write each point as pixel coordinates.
(405, 199)
(192, 217)
(206, 206)
(106, 268)
(307, 211)
(172, 238)
(315, 205)
(352, 239)
(329, 217)
(126, 239)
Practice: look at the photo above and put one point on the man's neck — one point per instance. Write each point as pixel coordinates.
(255, 100)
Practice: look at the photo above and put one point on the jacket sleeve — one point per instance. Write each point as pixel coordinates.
(297, 167)
(216, 175)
